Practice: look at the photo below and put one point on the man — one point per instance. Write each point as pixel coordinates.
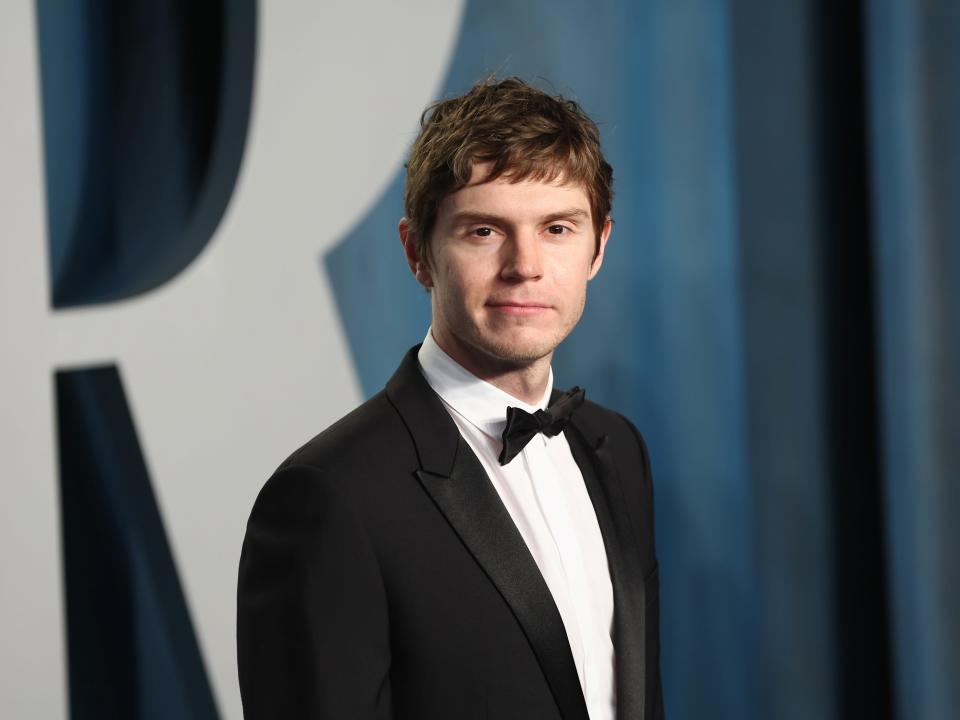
(424, 558)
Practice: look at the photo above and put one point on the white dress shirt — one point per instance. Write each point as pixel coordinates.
(543, 490)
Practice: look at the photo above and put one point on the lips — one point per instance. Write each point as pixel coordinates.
(519, 307)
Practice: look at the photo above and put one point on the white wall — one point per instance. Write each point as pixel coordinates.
(223, 366)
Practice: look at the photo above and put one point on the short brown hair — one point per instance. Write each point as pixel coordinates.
(524, 132)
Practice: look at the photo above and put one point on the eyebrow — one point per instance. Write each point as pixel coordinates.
(466, 216)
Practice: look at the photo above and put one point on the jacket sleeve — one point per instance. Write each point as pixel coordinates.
(312, 624)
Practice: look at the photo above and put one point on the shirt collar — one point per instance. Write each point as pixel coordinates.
(480, 403)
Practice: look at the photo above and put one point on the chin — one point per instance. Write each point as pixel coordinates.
(519, 348)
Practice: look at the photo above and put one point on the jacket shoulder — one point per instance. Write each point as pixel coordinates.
(366, 438)
(600, 420)
(354, 464)
(600, 417)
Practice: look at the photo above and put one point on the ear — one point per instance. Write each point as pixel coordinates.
(601, 247)
(420, 269)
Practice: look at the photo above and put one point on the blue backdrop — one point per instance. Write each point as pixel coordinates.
(778, 313)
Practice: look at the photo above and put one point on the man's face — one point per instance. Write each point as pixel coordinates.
(508, 271)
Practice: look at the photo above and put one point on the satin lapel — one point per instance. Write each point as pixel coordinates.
(476, 513)
(626, 572)
(458, 484)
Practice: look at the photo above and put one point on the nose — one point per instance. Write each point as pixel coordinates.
(523, 257)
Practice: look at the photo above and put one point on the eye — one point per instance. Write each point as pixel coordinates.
(483, 231)
(558, 229)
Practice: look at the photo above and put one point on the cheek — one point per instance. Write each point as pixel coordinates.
(571, 277)
(456, 283)
(467, 274)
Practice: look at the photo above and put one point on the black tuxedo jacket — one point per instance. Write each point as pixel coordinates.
(382, 577)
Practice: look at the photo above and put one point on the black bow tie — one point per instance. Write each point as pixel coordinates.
(522, 426)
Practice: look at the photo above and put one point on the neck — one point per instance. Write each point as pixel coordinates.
(526, 382)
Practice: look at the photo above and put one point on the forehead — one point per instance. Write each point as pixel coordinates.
(505, 195)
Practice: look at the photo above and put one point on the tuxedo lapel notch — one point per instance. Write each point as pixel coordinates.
(433, 432)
